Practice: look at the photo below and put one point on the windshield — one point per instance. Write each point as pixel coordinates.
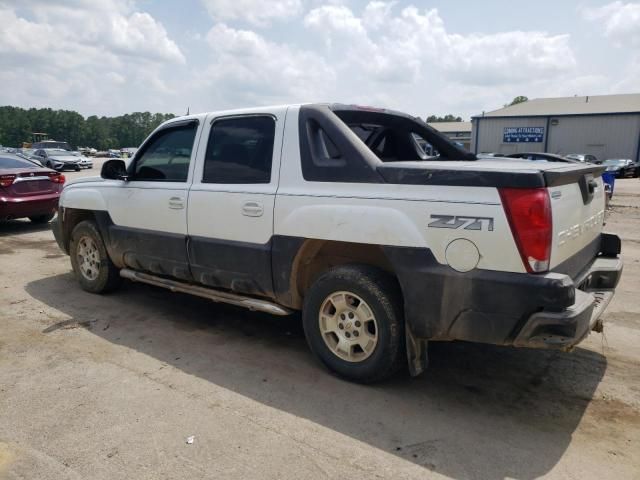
(51, 144)
(57, 152)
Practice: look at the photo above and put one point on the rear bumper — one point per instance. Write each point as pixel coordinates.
(567, 328)
(12, 207)
(553, 310)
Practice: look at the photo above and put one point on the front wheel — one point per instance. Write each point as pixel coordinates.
(353, 322)
(90, 261)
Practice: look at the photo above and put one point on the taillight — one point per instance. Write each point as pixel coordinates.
(529, 213)
(56, 177)
(7, 180)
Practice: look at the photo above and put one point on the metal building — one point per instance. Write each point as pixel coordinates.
(457, 131)
(607, 126)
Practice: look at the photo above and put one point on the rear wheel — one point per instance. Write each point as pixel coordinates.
(90, 261)
(353, 323)
(42, 218)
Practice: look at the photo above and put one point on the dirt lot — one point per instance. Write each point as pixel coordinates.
(109, 387)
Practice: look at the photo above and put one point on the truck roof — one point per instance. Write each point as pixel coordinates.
(267, 108)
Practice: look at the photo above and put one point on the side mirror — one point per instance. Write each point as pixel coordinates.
(114, 170)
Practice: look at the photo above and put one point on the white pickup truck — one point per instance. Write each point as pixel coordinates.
(336, 211)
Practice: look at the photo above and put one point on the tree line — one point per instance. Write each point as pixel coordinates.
(452, 118)
(17, 125)
(446, 118)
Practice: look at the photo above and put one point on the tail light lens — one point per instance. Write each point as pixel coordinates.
(56, 177)
(7, 180)
(529, 215)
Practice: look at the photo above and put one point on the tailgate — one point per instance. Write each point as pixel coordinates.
(577, 207)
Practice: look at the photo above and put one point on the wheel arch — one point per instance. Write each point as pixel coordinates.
(83, 199)
(314, 257)
(70, 218)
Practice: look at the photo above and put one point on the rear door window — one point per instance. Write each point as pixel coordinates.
(240, 150)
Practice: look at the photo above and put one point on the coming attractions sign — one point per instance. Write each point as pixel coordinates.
(523, 134)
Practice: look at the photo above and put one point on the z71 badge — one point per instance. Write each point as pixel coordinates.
(459, 221)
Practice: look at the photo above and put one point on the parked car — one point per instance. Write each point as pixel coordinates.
(539, 156)
(620, 167)
(583, 157)
(27, 190)
(85, 162)
(128, 152)
(381, 247)
(51, 144)
(488, 155)
(88, 151)
(58, 159)
(28, 154)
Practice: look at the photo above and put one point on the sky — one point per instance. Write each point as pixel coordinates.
(110, 57)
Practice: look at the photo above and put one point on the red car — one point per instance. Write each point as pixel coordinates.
(28, 190)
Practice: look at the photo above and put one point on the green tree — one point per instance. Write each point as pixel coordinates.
(446, 118)
(517, 100)
(17, 126)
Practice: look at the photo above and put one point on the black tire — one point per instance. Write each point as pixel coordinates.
(40, 219)
(382, 294)
(48, 165)
(77, 169)
(108, 276)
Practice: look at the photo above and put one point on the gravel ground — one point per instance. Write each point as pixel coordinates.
(110, 387)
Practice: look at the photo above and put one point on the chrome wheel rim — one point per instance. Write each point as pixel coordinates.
(348, 326)
(88, 258)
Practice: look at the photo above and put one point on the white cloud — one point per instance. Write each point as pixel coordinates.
(621, 21)
(334, 18)
(97, 55)
(114, 56)
(415, 45)
(246, 69)
(111, 25)
(505, 58)
(376, 13)
(256, 12)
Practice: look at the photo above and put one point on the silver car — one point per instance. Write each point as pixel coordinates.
(583, 157)
(85, 162)
(58, 159)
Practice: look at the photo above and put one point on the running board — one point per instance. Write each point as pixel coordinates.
(215, 295)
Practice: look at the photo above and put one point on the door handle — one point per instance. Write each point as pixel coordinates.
(252, 209)
(176, 203)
